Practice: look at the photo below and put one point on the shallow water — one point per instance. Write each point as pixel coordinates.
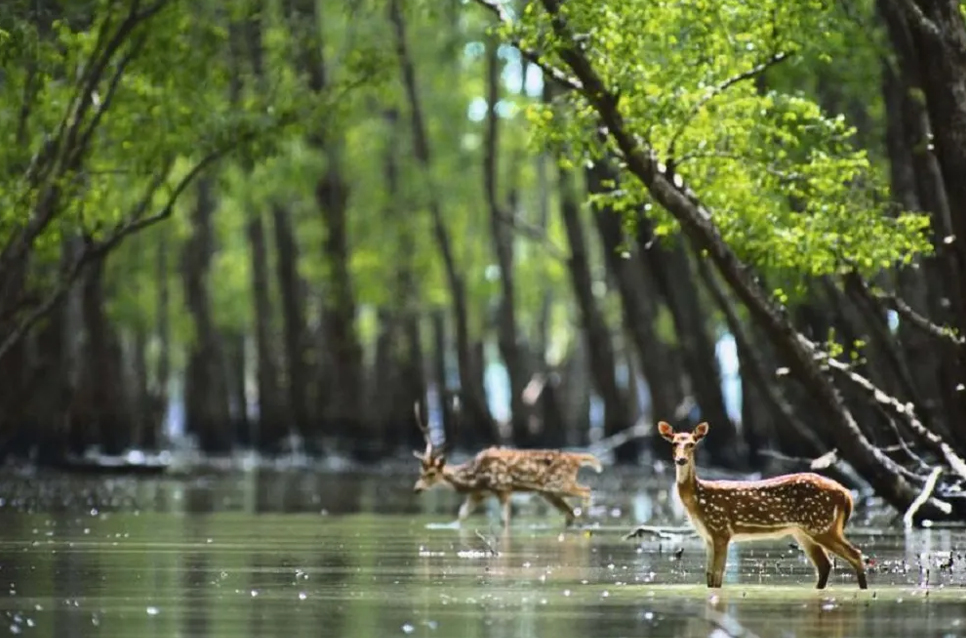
(305, 554)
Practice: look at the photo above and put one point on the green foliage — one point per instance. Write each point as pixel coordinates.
(790, 189)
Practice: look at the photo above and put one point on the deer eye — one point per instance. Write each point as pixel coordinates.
(688, 446)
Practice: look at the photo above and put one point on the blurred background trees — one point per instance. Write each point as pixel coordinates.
(276, 224)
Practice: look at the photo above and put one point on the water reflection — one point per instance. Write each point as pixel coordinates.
(304, 554)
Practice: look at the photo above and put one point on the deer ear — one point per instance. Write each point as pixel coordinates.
(665, 430)
(700, 431)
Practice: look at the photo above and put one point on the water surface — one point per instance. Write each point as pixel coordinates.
(311, 554)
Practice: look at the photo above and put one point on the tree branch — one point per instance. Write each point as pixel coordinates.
(753, 72)
(906, 412)
(927, 491)
(136, 223)
(503, 16)
(112, 87)
(907, 313)
(535, 234)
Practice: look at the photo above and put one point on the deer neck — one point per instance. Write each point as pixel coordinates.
(686, 480)
(459, 477)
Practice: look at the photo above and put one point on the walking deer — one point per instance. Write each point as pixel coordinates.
(810, 508)
(499, 472)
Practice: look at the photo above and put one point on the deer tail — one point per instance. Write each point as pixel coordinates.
(844, 512)
(591, 461)
(846, 509)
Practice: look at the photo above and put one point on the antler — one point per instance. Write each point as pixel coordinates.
(428, 454)
(431, 450)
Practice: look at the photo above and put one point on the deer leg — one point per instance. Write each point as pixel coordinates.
(708, 561)
(561, 505)
(849, 552)
(471, 503)
(719, 556)
(816, 554)
(505, 502)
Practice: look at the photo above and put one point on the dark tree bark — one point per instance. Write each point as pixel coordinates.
(930, 39)
(343, 404)
(479, 430)
(919, 183)
(297, 344)
(441, 377)
(795, 437)
(145, 419)
(163, 327)
(657, 359)
(600, 348)
(271, 426)
(574, 390)
(400, 380)
(272, 423)
(206, 394)
(241, 430)
(384, 382)
(40, 375)
(106, 420)
(671, 268)
(502, 238)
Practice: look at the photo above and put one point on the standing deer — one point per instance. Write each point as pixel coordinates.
(498, 471)
(810, 508)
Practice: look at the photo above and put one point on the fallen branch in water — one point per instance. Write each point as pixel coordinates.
(486, 543)
(660, 532)
(924, 495)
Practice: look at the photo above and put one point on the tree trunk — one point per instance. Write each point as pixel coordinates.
(918, 184)
(384, 383)
(345, 409)
(656, 358)
(671, 269)
(408, 379)
(163, 327)
(295, 331)
(441, 376)
(272, 423)
(502, 237)
(480, 430)
(240, 425)
(144, 426)
(921, 288)
(206, 394)
(575, 386)
(936, 59)
(603, 363)
(108, 421)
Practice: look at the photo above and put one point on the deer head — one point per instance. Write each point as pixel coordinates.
(683, 442)
(433, 459)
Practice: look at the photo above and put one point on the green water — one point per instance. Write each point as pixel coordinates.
(305, 554)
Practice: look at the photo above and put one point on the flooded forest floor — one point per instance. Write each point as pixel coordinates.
(309, 553)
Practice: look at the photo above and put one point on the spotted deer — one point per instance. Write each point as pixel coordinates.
(500, 471)
(810, 508)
